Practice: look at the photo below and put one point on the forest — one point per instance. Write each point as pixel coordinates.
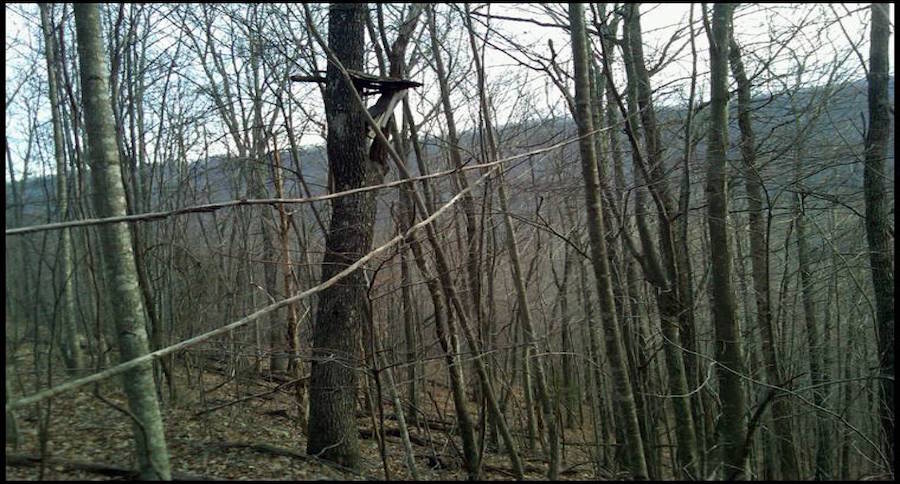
(464, 241)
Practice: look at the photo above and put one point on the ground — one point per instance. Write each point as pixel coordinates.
(255, 439)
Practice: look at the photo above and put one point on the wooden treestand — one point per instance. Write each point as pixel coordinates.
(392, 91)
(366, 84)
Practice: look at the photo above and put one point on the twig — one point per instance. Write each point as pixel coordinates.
(212, 207)
(123, 367)
(250, 397)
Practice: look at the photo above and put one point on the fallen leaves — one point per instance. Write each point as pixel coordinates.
(255, 439)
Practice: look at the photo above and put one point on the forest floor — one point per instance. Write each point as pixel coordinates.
(88, 438)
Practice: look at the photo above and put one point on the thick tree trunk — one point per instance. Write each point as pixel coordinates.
(444, 273)
(333, 433)
(881, 252)
(728, 337)
(624, 398)
(109, 200)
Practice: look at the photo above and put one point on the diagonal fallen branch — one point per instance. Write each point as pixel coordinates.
(250, 397)
(146, 359)
(212, 207)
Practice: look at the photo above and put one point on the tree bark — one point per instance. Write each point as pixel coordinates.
(759, 257)
(624, 397)
(881, 253)
(109, 200)
(72, 339)
(333, 434)
(727, 329)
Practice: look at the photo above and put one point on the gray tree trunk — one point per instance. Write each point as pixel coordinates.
(727, 329)
(623, 396)
(759, 256)
(822, 460)
(673, 311)
(881, 251)
(570, 390)
(72, 339)
(121, 274)
(333, 432)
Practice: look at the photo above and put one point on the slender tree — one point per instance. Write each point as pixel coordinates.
(759, 257)
(72, 339)
(881, 252)
(623, 396)
(822, 443)
(115, 239)
(727, 329)
(524, 309)
(663, 271)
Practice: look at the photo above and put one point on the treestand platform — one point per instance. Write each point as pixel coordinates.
(366, 84)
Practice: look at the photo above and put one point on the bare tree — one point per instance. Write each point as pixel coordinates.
(624, 398)
(732, 428)
(72, 339)
(759, 253)
(878, 230)
(121, 275)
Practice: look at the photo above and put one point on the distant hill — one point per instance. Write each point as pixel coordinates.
(831, 165)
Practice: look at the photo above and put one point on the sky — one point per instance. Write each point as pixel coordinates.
(753, 24)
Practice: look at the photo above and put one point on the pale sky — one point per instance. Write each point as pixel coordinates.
(659, 21)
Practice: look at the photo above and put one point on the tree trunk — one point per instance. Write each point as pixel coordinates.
(727, 329)
(881, 252)
(407, 217)
(333, 434)
(570, 393)
(109, 200)
(72, 340)
(822, 461)
(662, 271)
(759, 253)
(623, 395)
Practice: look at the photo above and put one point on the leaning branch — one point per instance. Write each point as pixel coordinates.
(211, 207)
(145, 359)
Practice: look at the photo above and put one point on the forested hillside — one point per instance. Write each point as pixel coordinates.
(449, 241)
